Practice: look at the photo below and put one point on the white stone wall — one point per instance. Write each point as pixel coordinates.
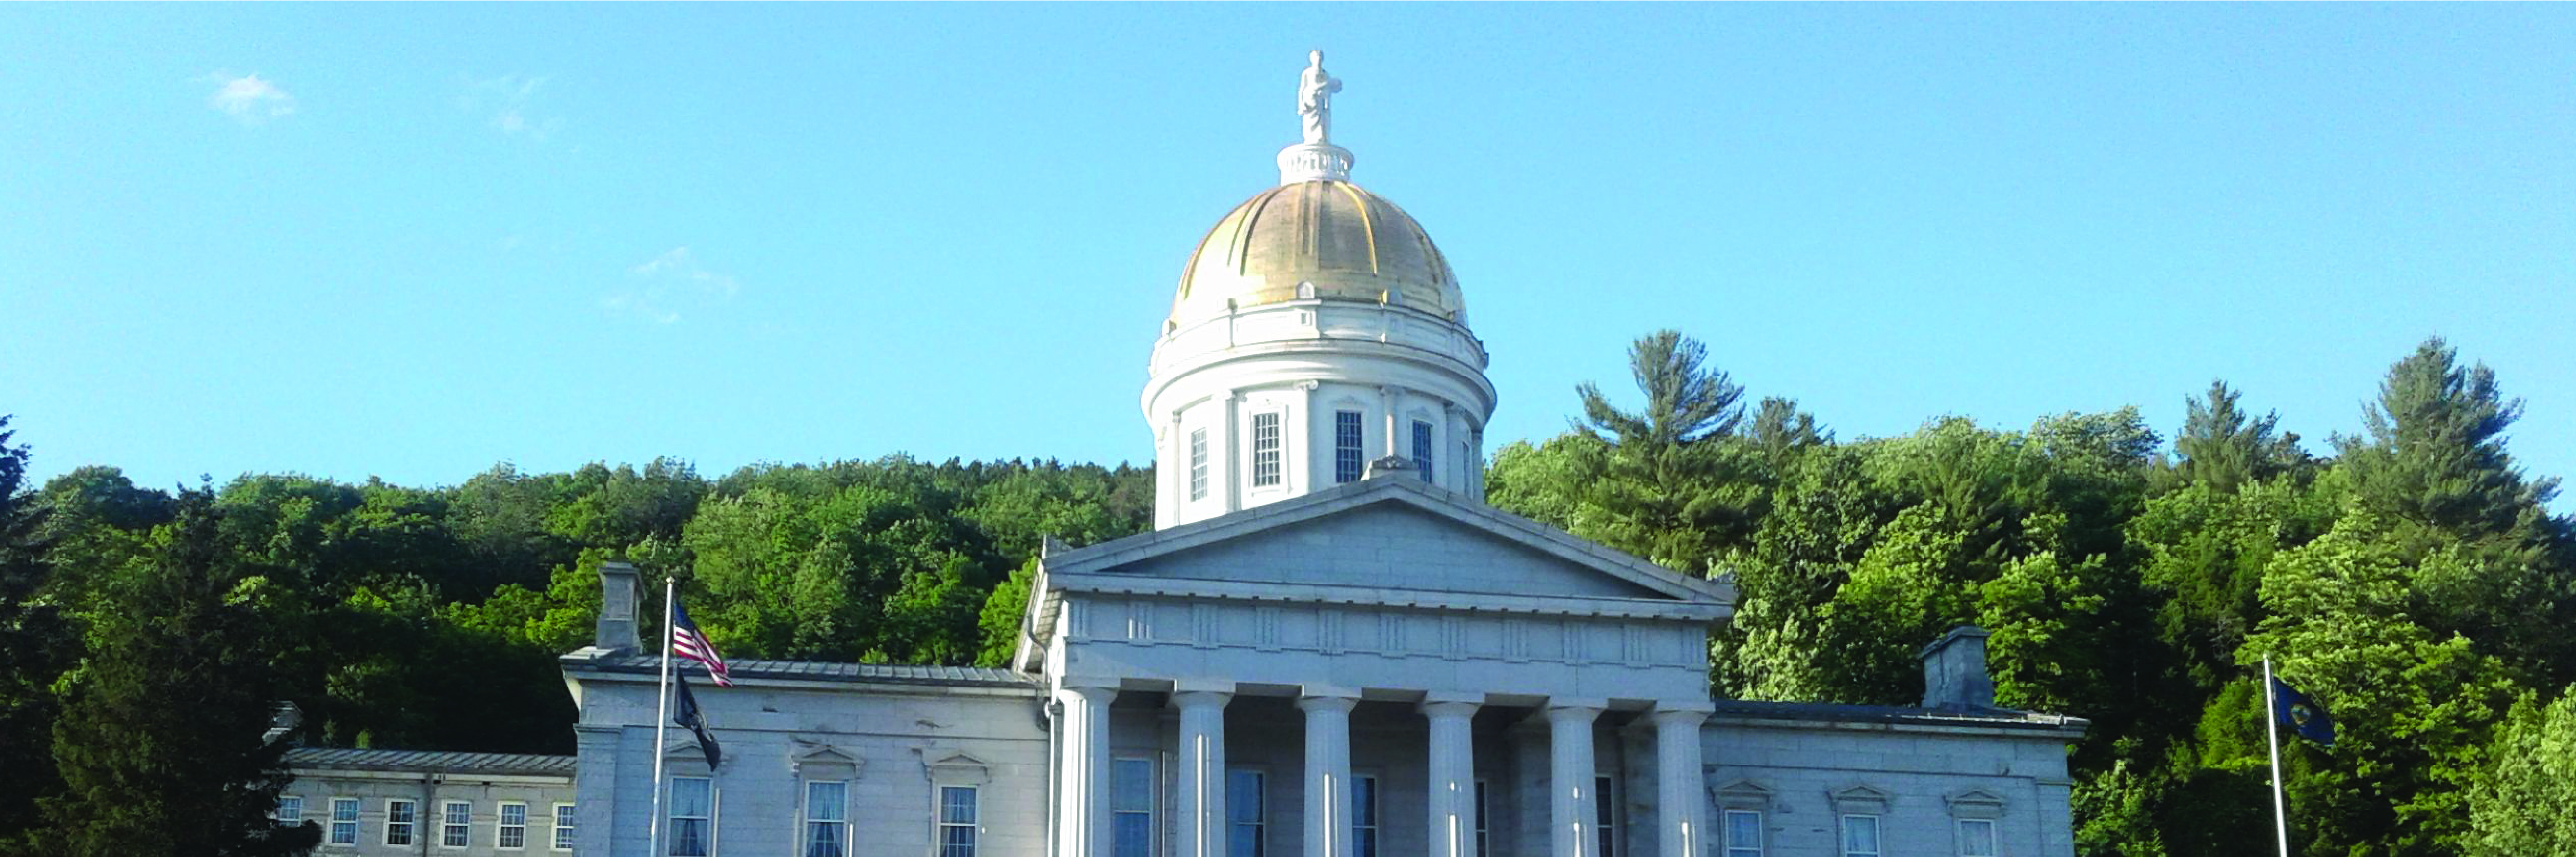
(432, 792)
(1304, 361)
(1921, 772)
(886, 741)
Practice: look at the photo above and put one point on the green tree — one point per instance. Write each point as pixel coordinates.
(161, 738)
(2521, 804)
(1669, 488)
(36, 644)
(2225, 447)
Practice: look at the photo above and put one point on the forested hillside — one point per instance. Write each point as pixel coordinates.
(2412, 580)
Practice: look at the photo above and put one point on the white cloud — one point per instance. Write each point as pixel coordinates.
(249, 98)
(510, 103)
(669, 283)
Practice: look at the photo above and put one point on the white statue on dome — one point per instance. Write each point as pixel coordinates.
(1315, 98)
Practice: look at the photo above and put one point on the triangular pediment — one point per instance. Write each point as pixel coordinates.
(1392, 535)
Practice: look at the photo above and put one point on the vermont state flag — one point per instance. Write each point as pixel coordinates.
(2301, 714)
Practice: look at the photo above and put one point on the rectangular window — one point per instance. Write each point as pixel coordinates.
(1484, 834)
(1131, 807)
(564, 826)
(456, 829)
(344, 821)
(1363, 816)
(1347, 453)
(1977, 838)
(1605, 817)
(1198, 464)
(1244, 812)
(1422, 450)
(1265, 449)
(957, 821)
(514, 826)
(1860, 836)
(290, 810)
(827, 818)
(1743, 833)
(693, 816)
(400, 815)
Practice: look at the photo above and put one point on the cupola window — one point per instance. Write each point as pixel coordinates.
(1346, 446)
(1198, 464)
(1422, 450)
(1265, 449)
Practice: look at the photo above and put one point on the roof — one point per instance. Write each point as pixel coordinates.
(1677, 595)
(428, 761)
(1835, 712)
(919, 674)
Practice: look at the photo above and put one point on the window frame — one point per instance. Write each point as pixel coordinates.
(1153, 805)
(805, 820)
(1350, 446)
(1726, 846)
(1842, 834)
(671, 817)
(555, 831)
(501, 825)
(283, 817)
(1959, 837)
(1484, 830)
(1605, 815)
(939, 823)
(1270, 453)
(410, 828)
(447, 824)
(331, 823)
(1426, 446)
(1368, 845)
(1260, 822)
(1198, 463)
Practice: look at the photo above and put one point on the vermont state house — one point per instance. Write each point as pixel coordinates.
(1330, 646)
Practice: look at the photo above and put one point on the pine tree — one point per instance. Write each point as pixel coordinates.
(1669, 488)
(2435, 454)
(161, 738)
(2224, 447)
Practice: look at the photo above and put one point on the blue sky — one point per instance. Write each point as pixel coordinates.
(412, 241)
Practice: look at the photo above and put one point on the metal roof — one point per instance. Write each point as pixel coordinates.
(427, 761)
(1831, 711)
(922, 674)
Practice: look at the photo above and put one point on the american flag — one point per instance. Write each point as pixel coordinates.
(688, 643)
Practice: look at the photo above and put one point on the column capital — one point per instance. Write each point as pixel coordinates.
(1189, 699)
(1451, 703)
(1683, 712)
(1095, 688)
(1327, 698)
(1203, 685)
(1583, 708)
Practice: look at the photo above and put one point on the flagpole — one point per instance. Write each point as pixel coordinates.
(2272, 730)
(662, 718)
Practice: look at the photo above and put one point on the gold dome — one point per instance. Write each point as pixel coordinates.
(1351, 244)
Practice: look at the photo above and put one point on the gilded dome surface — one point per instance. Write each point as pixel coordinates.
(1351, 244)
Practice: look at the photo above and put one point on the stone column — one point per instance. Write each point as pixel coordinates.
(1453, 773)
(1570, 772)
(1328, 769)
(1681, 804)
(1083, 826)
(1202, 767)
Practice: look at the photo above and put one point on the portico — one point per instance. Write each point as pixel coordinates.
(1455, 638)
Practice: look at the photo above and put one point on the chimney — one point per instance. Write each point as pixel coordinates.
(285, 722)
(1954, 672)
(620, 591)
(1388, 465)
